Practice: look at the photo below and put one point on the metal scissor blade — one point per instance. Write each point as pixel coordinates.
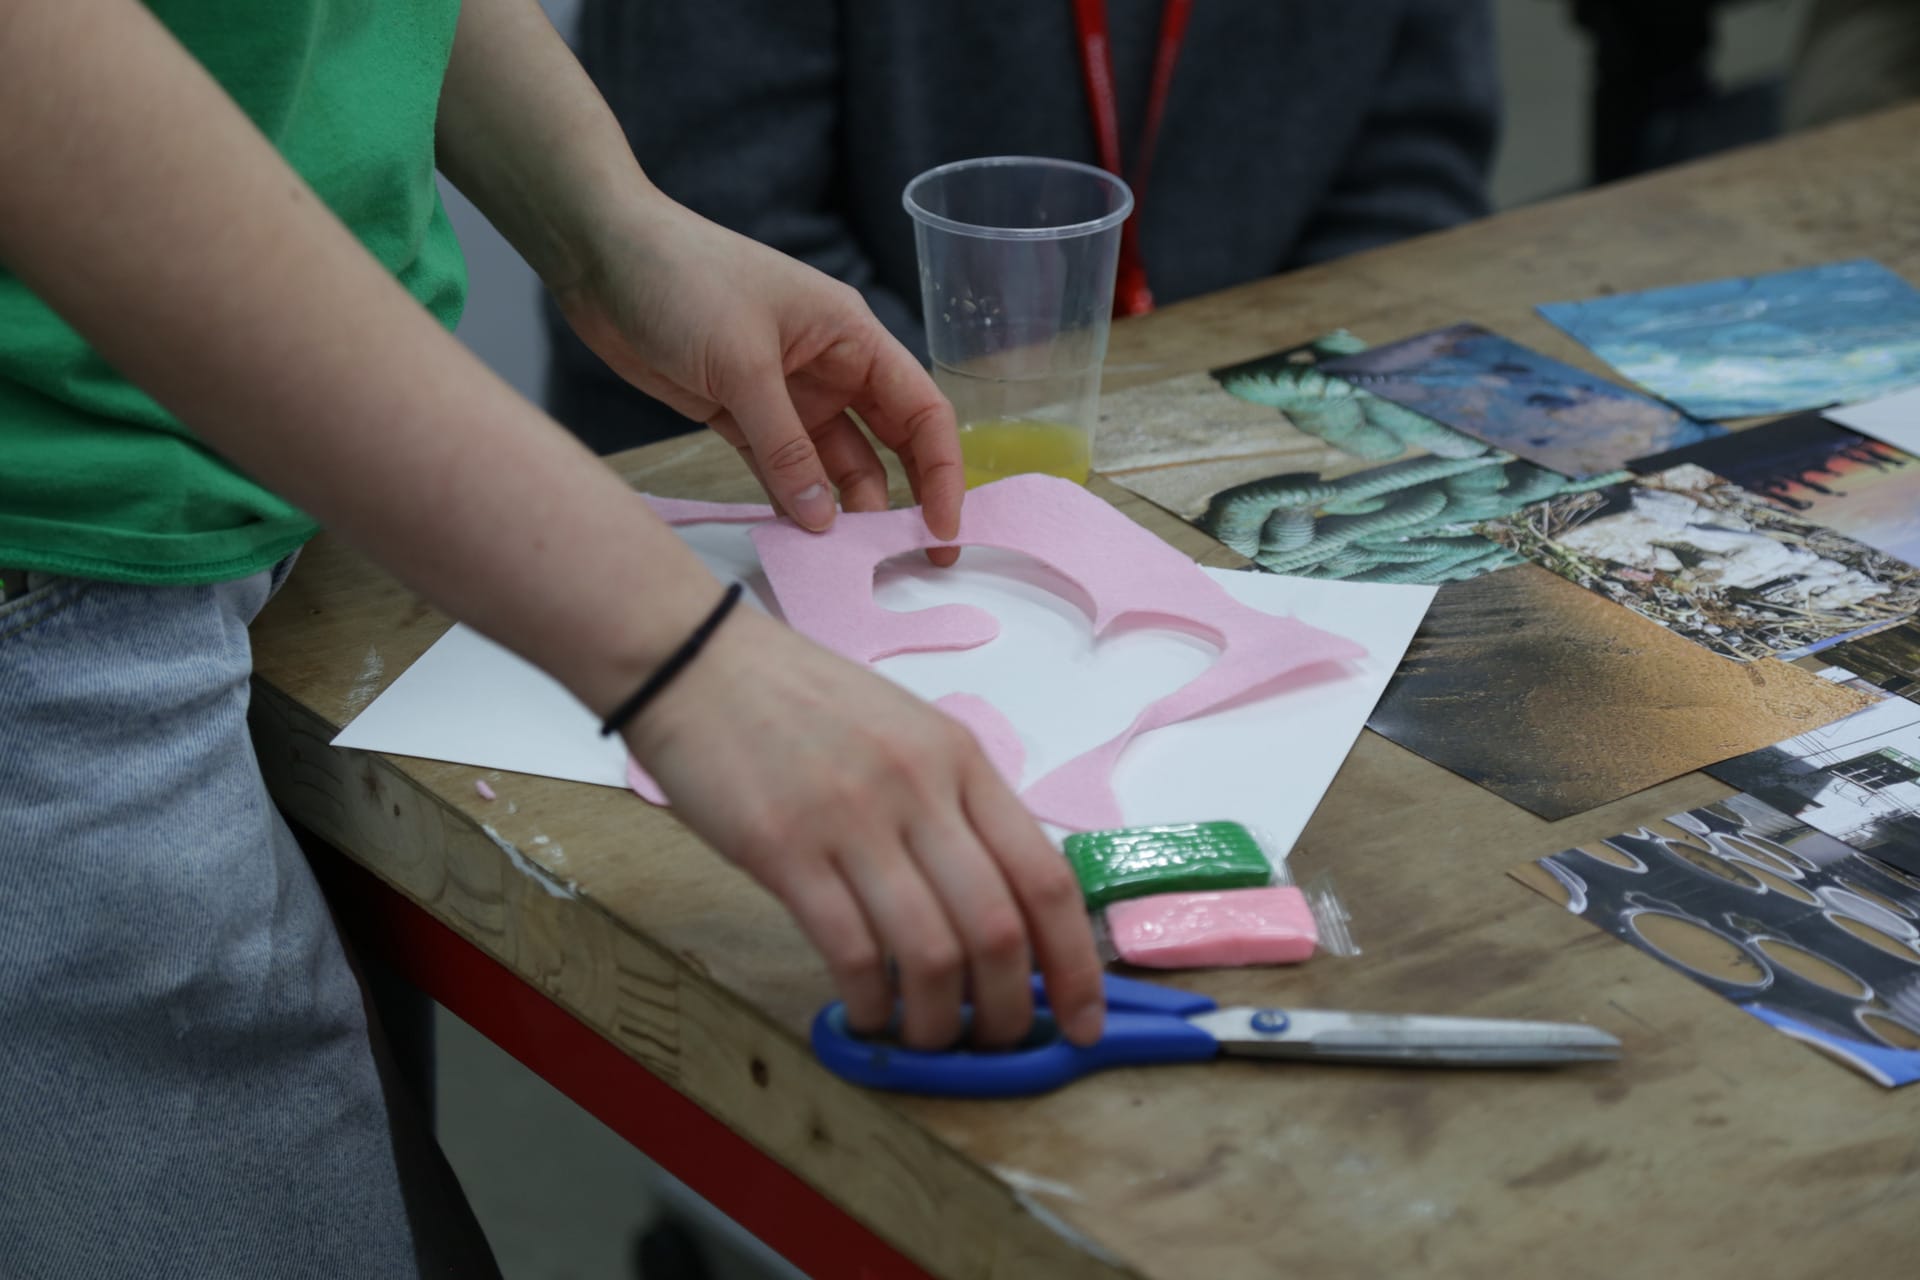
(1327, 1035)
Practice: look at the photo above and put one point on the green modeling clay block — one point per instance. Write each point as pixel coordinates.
(1136, 861)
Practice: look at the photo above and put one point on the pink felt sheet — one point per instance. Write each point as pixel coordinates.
(824, 586)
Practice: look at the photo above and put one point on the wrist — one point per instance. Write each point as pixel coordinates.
(609, 220)
(729, 661)
(627, 648)
(663, 675)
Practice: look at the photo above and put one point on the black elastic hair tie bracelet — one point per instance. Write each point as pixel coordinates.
(676, 663)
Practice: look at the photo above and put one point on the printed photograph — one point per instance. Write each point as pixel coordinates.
(1819, 664)
(1893, 419)
(1165, 429)
(1784, 922)
(1493, 389)
(1889, 659)
(1846, 481)
(1407, 521)
(1708, 560)
(1356, 422)
(1180, 441)
(1858, 780)
(1555, 699)
(1752, 345)
(1787, 923)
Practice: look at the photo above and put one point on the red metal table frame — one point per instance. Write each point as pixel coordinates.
(739, 1179)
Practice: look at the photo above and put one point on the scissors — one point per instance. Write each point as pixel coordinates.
(1148, 1024)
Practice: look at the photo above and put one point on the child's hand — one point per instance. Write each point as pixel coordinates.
(879, 823)
(771, 354)
(875, 818)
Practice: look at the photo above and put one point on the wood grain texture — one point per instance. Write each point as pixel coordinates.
(1716, 1149)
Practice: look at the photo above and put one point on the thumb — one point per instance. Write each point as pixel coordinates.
(789, 465)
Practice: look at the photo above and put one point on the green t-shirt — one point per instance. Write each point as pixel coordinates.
(96, 480)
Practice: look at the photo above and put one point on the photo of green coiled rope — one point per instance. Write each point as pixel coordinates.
(1408, 521)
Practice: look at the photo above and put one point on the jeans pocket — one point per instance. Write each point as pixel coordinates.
(43, 593)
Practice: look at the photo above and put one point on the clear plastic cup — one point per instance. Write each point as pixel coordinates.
(1017, 259)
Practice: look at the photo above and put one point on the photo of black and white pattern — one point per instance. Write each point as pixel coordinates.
(1856, 779)
(1803, 932)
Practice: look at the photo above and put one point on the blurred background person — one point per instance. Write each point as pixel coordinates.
(1855, 56)
(1259, 137)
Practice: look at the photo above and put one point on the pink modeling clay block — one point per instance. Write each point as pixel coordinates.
(1214, 930)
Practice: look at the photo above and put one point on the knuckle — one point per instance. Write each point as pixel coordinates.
(946, 750)
(851, 957)
(901, 768)
(922, 422)
(933, 960)
(759, 840)
(1000, 936)
(958, 743)
(790, 455)
(842, 802)
(1052, 886)
(917, 768)
(850, 300)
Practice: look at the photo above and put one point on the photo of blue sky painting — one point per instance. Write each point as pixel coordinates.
(1751, 345)
(1514, 398)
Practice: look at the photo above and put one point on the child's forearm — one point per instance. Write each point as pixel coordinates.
(142, 205)
(527, 137)
(525, 134)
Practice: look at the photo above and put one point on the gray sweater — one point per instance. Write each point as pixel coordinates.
(1296, 131)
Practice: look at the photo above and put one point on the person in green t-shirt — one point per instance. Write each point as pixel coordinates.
(225, 291)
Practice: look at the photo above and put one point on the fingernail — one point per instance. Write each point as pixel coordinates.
(813, 507)
(1086, 1023)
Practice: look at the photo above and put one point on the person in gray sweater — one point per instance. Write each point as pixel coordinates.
(1295, 131)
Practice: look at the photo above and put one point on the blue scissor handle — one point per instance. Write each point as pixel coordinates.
(1134, 996)
(1146, 1024)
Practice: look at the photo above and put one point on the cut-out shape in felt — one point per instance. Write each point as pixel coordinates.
(824, 585)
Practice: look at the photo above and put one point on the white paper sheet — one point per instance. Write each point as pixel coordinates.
(1266, 762)
(1894, 419)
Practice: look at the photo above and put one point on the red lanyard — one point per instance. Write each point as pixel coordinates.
(1131, 297)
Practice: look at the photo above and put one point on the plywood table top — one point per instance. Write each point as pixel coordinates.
(1717, 1148)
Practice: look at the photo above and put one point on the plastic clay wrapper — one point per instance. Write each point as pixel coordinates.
(1277, 924)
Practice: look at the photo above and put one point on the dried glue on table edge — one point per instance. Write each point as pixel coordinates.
(1278, 924)
(1136, 861)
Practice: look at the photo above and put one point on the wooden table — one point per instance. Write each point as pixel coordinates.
(1718, 1148)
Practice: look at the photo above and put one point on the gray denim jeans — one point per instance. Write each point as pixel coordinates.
(186, 1082)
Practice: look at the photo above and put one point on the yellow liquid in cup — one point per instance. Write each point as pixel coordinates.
(995, 448)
